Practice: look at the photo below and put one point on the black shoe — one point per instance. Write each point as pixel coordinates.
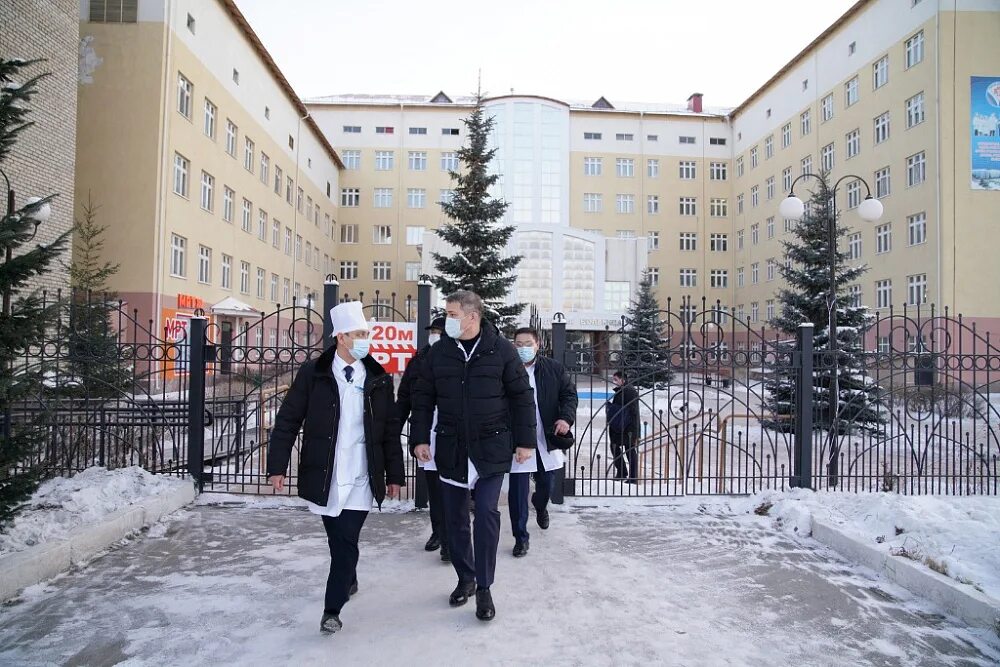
(520, 548)
(354, 589)
(445, 553)
(433, 544)
(485, 611)
(330, 623)
(461, 594)
(542, 517)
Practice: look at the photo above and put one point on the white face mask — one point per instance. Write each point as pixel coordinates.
(453, 327)
(433, 338)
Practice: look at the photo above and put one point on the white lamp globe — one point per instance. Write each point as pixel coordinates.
(870, 209)
(44, 211)
(792, 208)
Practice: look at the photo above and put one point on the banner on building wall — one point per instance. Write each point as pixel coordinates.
(985, 131)
(393, 344)
(176, 328)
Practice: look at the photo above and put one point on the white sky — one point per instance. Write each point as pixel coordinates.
(626, 50)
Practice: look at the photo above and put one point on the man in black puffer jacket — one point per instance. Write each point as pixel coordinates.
(486, 414)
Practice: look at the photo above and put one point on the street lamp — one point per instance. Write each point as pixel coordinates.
(870, 210)
(39, 215)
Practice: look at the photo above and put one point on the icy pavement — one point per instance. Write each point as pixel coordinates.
(244, 585)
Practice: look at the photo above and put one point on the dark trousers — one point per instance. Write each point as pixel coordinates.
(518, 490)
(342, 534)
(473, 552)
(438, 526)
(623, 449)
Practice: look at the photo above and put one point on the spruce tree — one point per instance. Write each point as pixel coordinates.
(474, 230)
(24, 324)
(645, 349)
(807, 299)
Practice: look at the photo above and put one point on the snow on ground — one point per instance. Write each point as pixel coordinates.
(63, 504)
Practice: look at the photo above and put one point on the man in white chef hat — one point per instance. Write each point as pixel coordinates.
(350, 452)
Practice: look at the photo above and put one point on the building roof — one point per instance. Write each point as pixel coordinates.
(241, 21)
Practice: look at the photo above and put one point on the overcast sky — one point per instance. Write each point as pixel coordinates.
(626, 50)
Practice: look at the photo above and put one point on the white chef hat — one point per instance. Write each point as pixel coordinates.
(348, 316)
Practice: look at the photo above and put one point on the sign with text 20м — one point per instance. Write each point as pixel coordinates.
(393, 344)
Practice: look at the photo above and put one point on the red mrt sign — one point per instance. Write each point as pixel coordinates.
(393, 344)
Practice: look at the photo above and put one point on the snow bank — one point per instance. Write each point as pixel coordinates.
(63, 504)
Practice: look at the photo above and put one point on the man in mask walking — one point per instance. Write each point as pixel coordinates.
(486, 413)
(622, 412)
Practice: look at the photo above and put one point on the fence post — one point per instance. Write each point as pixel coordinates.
(423, 321)
(331, 297)
(559, 354)
(802, 416)
(196, 399)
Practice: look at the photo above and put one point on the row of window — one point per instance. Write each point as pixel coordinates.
(389, 129)
(625, 168)
(916, 226)
(386, 160)
(593, 202)
(629, 136)
(384, 197)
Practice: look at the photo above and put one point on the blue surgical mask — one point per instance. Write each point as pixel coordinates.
(433, 338)
(359, 350)
(453, 327)
(527, 354)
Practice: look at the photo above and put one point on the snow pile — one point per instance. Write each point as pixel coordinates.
(63, 504)
(954, 535)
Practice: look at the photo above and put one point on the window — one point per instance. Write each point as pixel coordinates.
(652, 204)
(416, 197)
(418, 130)
(288, 241)
(915, 169)
(352, 160)
(772, 267)
(718, 242)
(826, 108)
(383, 197)
(592, 202)
(204, 265)
(652, 137)
(449, 131)
(298, 247)
(278, 178)
(207, 191)
(247, 219)
(261, 274)
(185, 91)
(786, 179)
(769, 225)
(806, 164)
(624, 137)
(805, 85)
(262, 225)
(653, 274)
(248, 147)
(617, 295)
(853, 194)
(883, 293)
(769, 147)
(718, 278)
(686, 140)
(851, 92)
(915, 110)
(716, 141)
(755, 196)
(880, 72)
(178, 256)
(418, 160)
(687, 170)
(446, 196)
(653, 168)
(298, 200)
(414, 235)
(181, 167)
(770, 310)
(826, 157)
(625, 203)
(352, 129)
(789, 223)
(805, 123)
(917, 226)
(275, 233)
(689, 241)
(689, 277)
(883, 186)
(384, 129)
(854, 296)
(274, 288)
(449, 161)
(592, 136)
(688, 206)
(625, 233)
(718, 207)
(228, 197)
(717, 171)
(739, 239)
(236, 76)
(382, 271)
(851, 48)
(265, 168)
(653, 240)
(210, 113)
(915, 49)
(286, 298)
(591, 166)
(625, 167)
(227, 271)
(412, 271)
(786, 135)
(244, 277)
(231, 133)
(739, 203)
(854, 246)
(348, 233)
(754, 311)
(755, 273)
(883, 238)
(755, 233)
(114, 11)
(309, 208)
(769, 187)
(740, 276)
(350, 197)
(739, 167)
(853, 140)
(916, 289)
(383, 160)
(881, 127)
(382, 235)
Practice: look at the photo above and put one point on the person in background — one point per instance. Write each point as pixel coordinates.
(485, 408)
(622, 412)
(350, 454)
(439, 532)
(555, 412)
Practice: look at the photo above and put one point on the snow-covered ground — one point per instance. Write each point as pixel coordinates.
(63, 504)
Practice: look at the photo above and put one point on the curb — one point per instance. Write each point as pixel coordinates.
(964, 602)
(43, 561)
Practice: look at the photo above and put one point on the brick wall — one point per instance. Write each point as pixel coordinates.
(44, 157)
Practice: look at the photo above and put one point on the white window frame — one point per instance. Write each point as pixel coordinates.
(178, 256)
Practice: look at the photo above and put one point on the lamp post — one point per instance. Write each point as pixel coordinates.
(870, 210)
(39, 215)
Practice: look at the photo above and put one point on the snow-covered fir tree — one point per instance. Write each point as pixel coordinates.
(478, 261)
(807, 299)
(645, 350)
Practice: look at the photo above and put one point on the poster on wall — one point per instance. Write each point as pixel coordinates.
(985, 110)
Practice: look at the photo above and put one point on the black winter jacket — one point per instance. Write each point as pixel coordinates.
(314, 400)
(404, 395)
(556, 396)
(486, 407)
(623, 409)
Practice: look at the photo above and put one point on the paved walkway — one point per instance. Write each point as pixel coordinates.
(243, 585)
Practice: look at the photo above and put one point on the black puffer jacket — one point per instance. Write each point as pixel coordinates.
(314, 400)
(404, 395)
(485, 406)
(557, 397)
